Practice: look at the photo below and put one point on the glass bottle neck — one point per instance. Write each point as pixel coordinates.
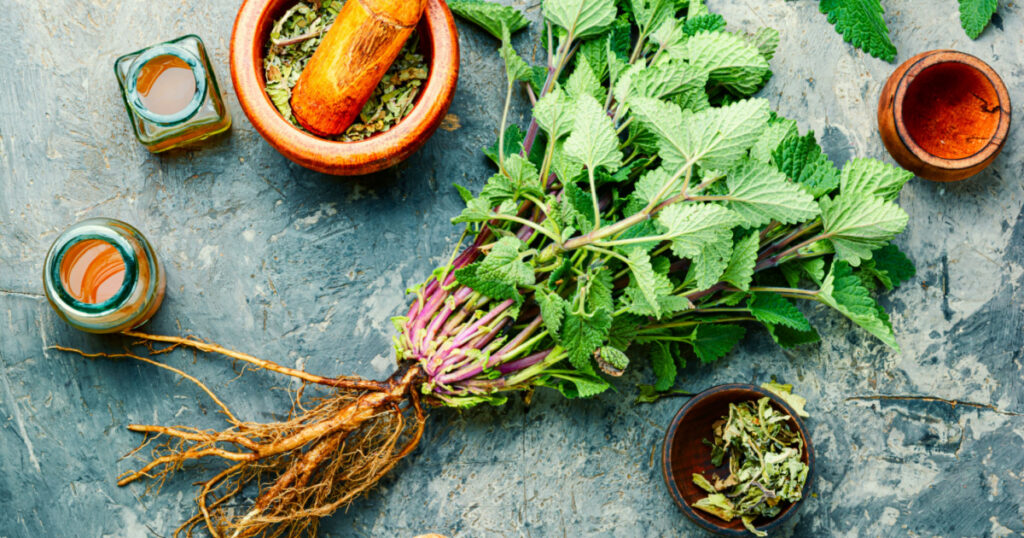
(128, 283)
(135, 71)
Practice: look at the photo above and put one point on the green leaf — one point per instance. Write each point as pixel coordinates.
(709, 22)
(889, 266)
(665, 80)
(594, 53)
(593, 142)
(774, 309)
(801, 159)
(790, 338)
(612, 361)
(623, 330)
(489, 15)
(646, 287)
(785, 391)
(766, 40)
(873, 178)
(712, 341)
(576, 207)
(467, 276)
(857, 224)
(975, 15)
(583, 81)
(599, 287)
(861, 24)
(523, 176)
(516, 68)
(664, 367)
(552, 310)
(477, 210)
(740, 270)
(651, 14)
(844, 291)
(670, 37)
(759, 194)
(729, 60)
(702, 233)
(582, 334)
(580, 18)
(655, 181)
(778, 130)
(514, 137)
(576, 384)
(566, 168)
(715, 138)
(504, 264)
(463, 192)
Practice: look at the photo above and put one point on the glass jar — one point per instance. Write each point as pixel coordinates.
(197, 118)
(97, 249)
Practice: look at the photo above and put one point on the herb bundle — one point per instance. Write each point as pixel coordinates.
(765, 464)
(293, 40)
(650, 210)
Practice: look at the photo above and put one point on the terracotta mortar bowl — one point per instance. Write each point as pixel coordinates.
(439, 44)
(685, 453)
(944, 115)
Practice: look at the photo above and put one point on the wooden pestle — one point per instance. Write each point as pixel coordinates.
(351, 60)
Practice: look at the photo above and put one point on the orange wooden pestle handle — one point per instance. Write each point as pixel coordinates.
(351, 60)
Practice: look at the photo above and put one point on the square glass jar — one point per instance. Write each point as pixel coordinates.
(205, 115)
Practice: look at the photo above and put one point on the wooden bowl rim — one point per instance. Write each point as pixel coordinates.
(940, 56)
(673, 488)
(345, 158)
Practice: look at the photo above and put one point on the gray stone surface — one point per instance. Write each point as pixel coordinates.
(266, 257)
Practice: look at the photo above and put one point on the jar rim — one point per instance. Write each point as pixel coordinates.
(131, 271)
(198, 73)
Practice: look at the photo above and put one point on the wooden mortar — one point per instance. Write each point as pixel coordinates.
(351, 60)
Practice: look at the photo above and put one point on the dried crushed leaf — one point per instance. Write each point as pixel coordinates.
(293, 40)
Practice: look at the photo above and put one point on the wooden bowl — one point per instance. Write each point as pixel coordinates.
(685, 453)
(440, 44)
(918, 138)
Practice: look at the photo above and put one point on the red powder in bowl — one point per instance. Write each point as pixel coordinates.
(951, 110)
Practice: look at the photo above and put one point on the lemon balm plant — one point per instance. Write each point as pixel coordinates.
(651, 210)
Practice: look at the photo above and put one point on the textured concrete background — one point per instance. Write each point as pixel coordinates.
(269, 258)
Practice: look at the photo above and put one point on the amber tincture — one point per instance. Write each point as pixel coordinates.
(171, 94)
(101, 276)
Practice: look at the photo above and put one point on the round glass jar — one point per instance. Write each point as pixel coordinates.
(125, 307)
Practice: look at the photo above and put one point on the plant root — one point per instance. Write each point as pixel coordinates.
(283, 476)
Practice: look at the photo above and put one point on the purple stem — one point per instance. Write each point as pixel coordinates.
(519, 339)
(524, 362)
(468, 334)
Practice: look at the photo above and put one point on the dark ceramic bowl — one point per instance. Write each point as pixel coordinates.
(439, 43)
(685, 453)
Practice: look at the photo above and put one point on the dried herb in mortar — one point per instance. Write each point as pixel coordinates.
(293, 40)
(765, 467)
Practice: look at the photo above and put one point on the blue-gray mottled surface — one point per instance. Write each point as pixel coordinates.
(269, 258)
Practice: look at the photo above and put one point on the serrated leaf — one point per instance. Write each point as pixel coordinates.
(580, 18)
(463, 192)
(594, 53)
(503, 263)
(702, 233)
(623, 330)
(592, 142)
(873, 178)
(790, 338)
(489, 15)
(767, 41)
(844, 291)
(760, 194)
(552, 310)
(582, 334)
(646, 286)
(576, 384)
(576, 207)
(889, 266)
(666, 80)
(523, 176)
(729, 60)
(467, 276)
(857, 224)
(516, 67)
(599, 290)
(774, 309)
(975, 15)
(477, 210)
(664, 367)
(650, 14)
(712, 341)
(657, 181)
(801, 159)
(709, 22)
(583, 81)
(669, 36)
(778, 129)
(715, 138)
(740, 270)
(861, 24)
(514, 137)
(566, 168)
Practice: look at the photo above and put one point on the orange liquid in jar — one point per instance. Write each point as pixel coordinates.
(92, 271)
(166, 84)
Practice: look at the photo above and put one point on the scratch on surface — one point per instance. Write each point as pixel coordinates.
(17, 293)
(9, 394)
(951, 403)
